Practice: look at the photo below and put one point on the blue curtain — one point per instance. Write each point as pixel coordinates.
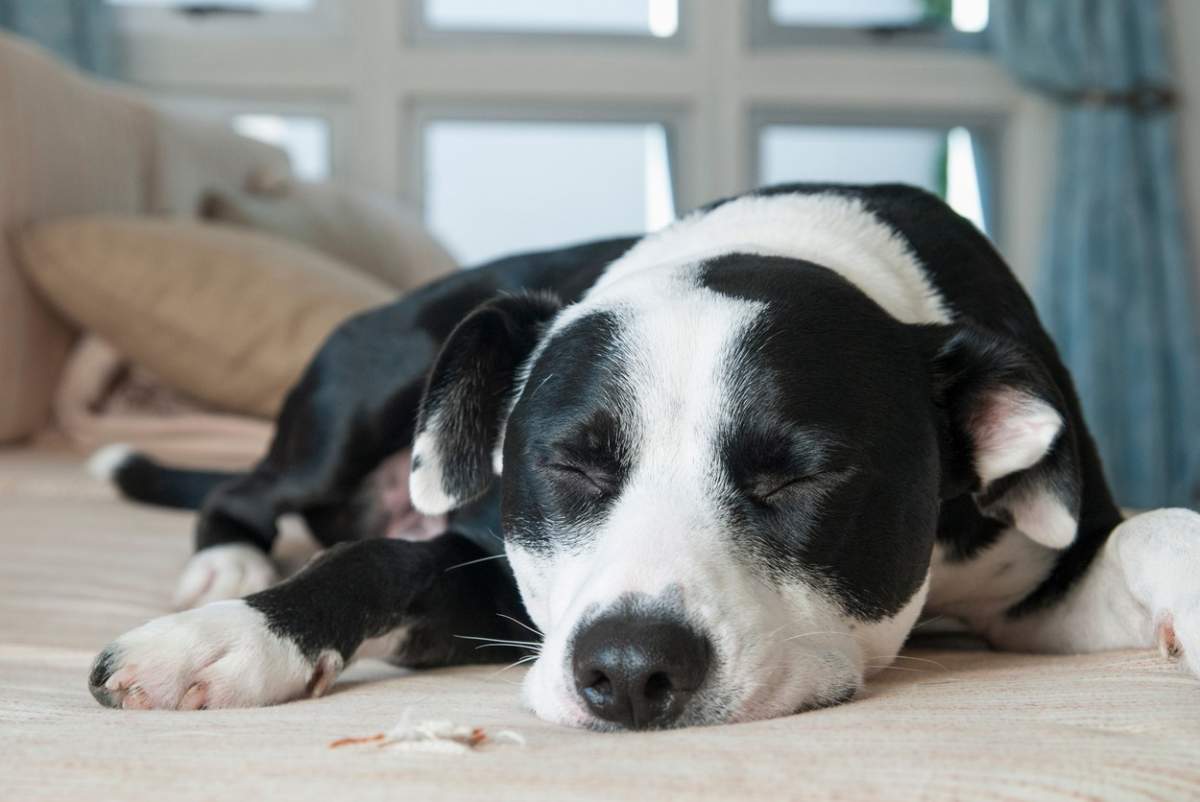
(79, 31)
(1115, 287)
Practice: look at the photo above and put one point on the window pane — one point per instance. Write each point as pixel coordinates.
(964, 15)
(250, 5)
(653, 17)
(497, 187)
(940, 161)
(305, 139)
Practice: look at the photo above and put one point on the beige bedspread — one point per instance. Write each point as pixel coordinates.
(77, 567)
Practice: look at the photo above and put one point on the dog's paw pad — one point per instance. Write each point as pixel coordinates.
(136, 699)
(329, 665)
(196, 697)
(1168, 643)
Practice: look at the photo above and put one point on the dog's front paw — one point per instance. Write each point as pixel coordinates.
(219, 655)
(1159, 552)
(224, 572)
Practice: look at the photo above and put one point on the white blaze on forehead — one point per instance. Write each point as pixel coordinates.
(830, 230)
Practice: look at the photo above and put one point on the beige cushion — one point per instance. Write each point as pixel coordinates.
(71, 145)
(67, 145)
(227, 316)
(373, 233)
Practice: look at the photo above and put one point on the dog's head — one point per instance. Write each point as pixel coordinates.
(721, 480)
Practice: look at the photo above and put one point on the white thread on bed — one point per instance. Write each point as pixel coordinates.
(433, 735)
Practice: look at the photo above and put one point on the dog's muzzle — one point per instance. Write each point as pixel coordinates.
(639, 671)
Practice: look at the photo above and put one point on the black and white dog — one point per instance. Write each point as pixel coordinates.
(729, 464)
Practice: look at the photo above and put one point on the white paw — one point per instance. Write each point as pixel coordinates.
(224, 572)
(107, 460)
(219, 655)
(1160, 553)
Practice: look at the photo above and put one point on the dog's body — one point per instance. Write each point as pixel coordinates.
(740, 456)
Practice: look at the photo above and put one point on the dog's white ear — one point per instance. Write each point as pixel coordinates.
(467, 397)
(1011, 430)
(1009, 438)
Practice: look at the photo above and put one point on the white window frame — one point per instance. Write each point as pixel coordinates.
(373, 70)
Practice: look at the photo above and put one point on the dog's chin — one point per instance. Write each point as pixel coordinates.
(778, 703)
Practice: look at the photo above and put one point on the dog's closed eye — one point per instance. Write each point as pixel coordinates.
(778, 489)
(587, 480)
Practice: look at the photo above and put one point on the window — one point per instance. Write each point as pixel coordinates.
(968, 16)
(921, 23)
(658, 18)
(142, 21)
(942, 161)
(306, 140)
(496, 187)
(516, 124)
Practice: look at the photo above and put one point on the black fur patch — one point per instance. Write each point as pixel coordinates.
(363, 590)
(834, 397)
(566, 447)
(964, 267)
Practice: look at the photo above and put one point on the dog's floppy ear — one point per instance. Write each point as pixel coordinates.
(467, 397)
(1008, 437)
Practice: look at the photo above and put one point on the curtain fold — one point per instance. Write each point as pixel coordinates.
(1115, 288)
(78, 31)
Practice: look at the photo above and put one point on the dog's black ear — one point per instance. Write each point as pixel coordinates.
(1008, 436)
(467, 397)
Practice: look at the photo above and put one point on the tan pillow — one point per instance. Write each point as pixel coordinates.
(227, 316)
(371, 232)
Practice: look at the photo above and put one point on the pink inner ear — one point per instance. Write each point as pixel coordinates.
(390, 482)
(1012, 431)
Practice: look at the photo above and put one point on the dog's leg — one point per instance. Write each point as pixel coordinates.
(398, 599)
(353, 409)
(1141, 590)
(341, 421)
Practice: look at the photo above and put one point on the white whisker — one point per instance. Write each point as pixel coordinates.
(533, 649)
(502, 641)
(898, 668)
(541, 384)
(527, 658)
(813, 634)
(922, 660)
(473, 562)
(520, 623)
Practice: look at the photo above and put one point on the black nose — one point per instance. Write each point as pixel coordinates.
(639, 671)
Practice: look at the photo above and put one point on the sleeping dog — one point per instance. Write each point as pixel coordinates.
(719, 470)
